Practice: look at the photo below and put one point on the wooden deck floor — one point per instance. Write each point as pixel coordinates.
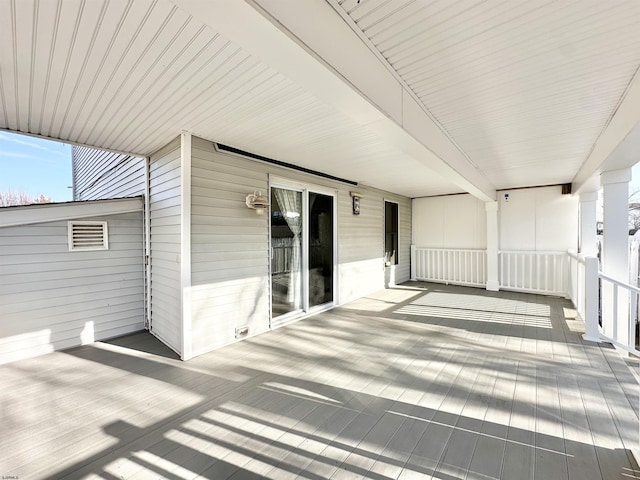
(421, 381)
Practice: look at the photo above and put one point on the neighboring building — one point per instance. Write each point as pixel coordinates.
(118, 176)
(72, 273)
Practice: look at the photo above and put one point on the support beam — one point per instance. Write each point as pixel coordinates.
(291, 38)
(493, 281)
(621, 134)
(615, 253)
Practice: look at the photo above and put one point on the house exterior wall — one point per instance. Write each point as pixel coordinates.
(98, 174)
(531, 219)
(52, 298)
(361, 242)
(165, 224)
(230, 250)
(538, 219)
(450, 221)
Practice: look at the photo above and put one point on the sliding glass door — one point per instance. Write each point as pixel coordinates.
(302, 252)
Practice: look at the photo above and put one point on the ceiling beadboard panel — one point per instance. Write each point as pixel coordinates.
(524, 87)
(131, 75)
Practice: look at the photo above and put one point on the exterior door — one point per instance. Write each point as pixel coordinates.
(302, 252)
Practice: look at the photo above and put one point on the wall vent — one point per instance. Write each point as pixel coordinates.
(242, 331)
(88, 236)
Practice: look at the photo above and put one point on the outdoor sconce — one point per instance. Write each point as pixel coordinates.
(257, 202)
(356, 202)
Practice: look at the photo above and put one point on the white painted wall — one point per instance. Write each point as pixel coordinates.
(230, 244)
(166, 220)
(450, 221)
(51, 298)
(98, 174)
(538, 219)
(531, 219)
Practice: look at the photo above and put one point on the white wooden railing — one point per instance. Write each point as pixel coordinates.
(455, 266)
(536, 272)
(584, 292)
(619, 313)
(576, 287)
(608, 307)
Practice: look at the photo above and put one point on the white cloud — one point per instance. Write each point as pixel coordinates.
(6, 137)
(6, 155)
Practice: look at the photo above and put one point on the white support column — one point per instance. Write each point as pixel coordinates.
(592, 331)
(493, 281)
(615, 252)
(185, 245)
(588, 240)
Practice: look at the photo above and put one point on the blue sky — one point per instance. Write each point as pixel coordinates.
(35, 166)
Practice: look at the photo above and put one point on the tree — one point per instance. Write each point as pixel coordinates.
(12, 198)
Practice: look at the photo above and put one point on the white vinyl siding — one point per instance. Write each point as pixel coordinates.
(229, 248)
(230, 243)
(98, 174)
(165, 201)
(361, 242)
(51, 298)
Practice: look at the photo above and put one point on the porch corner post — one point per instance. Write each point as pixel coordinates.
(493, 281)
(588, 241)
(413, 262)
(185, 246)
(592, 331)
(615, 252)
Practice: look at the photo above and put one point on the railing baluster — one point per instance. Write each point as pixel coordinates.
(513, 282)
(631, 324)
(615, 310)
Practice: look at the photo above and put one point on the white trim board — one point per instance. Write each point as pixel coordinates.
(53, 212)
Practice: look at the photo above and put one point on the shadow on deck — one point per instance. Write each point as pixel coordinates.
(421, 381)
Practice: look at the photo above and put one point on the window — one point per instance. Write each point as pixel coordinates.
(390, 233)
(88, 236)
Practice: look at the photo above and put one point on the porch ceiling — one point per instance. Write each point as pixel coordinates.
(482, 95)
(524, 88)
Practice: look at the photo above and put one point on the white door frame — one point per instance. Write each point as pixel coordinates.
(305, 188)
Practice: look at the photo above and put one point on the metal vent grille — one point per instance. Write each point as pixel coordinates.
(88, 236)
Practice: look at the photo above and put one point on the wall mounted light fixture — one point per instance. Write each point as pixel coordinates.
(355, 196)
(257, 202)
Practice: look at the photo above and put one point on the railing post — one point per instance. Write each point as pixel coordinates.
(591, 296)
(493, 282)
(413, 262)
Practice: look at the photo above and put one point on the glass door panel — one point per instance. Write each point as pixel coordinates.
(320, 249)
(286, 251)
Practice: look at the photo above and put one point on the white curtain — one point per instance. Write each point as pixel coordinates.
(291, 208)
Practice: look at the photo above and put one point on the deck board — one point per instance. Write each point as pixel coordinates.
(420, 381)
